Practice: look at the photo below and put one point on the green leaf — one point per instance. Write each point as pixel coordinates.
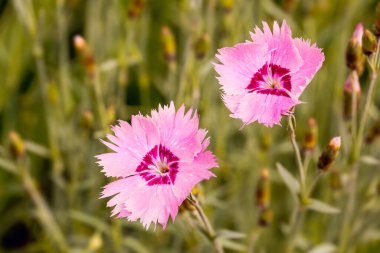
(8, 166)
(90, 220)
(37, 149)
(370, 160)
(235, 246)
(323, 248)
(289, 180)
(135, 245)
(231, 234)
(322, 207)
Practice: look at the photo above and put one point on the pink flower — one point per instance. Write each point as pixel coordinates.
(358, 34)
(352, 83)
(262, 80)
(157, 159)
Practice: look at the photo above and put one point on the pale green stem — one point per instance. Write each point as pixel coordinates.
(63, 61)
(44, 214)
(363, 121)
(347, 218)
(314, 182)
(294, 227)
(207, 225)
(355, 153)
(98, 102)
(298, 155)
(299, 211)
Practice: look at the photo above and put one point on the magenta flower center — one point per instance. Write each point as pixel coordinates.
(271, 79)
(159, 166)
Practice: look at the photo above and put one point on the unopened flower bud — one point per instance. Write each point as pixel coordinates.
(136, 8)
(227, 5)
(202, 46)
(79, 43)
(351, 85)
(265, 217)
(377, 20)
(197, 191)
(85, 54)
(263, 189)
(354, 53)
(289, 5)
(369, 42)
(373, 132)
(311, 136)
(330, 153)
(111, 114)
(17, 146)
(335, 180)
(187, 205)
(87, 120)
(169, 44)
(95, 242)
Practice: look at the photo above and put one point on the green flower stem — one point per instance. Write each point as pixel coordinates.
(207, 225)
(347, 218)
(64, 76)
(97, 101)
(44, 214)
(355, 153)
(297, 152)
(363, 121)
(48, 112)
(294, 227)
(299, 208)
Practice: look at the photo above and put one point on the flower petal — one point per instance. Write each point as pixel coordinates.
(239, 64)
(313, 58)
(266, 109)
(280, 44)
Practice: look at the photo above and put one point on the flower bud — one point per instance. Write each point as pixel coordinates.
(17, 146)
(227, 5)
(136, 8)
(263, 189)
(85, 54)
(373, 132)
(265, 217)
(197, 191)
(369, 42)
(202, 46)
(186, 205)
(111, 114)
(311, 136)
(169, 44)
(329, 155)
(289, 5)
(354, 53)
(87, 120)
(351, 85)
(95, 242)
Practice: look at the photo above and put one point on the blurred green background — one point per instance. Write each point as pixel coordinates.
(60, 101)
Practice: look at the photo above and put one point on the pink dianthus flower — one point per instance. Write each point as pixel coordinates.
(263, 79)
(157, 159)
